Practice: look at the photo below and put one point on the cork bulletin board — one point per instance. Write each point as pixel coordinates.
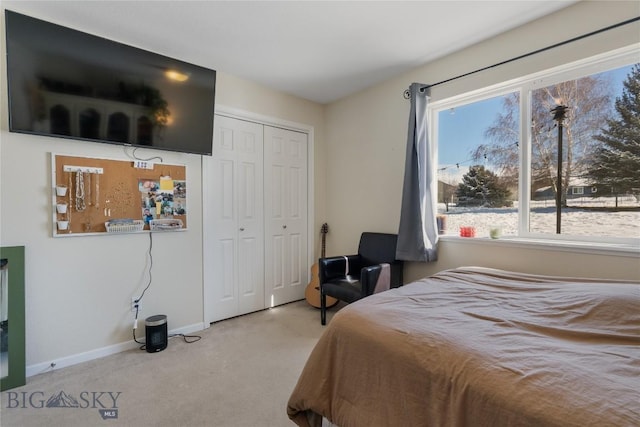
(93, 195)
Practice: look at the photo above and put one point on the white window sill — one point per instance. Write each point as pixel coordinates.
(600, 248)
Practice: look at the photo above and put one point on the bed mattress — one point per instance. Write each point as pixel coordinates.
(479, 347)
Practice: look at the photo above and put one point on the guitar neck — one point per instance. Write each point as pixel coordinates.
(324, 230)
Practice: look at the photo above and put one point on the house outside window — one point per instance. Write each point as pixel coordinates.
(498, 154)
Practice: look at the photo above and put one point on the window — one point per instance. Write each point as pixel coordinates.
(498, 153)
(478, 182)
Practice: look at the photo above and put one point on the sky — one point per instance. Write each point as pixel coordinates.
(462, 129)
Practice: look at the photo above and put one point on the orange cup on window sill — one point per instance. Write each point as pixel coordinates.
(467, 232)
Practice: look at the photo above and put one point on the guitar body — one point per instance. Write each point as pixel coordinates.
(312, 292)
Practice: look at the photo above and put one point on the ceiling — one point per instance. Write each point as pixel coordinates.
(317, 50)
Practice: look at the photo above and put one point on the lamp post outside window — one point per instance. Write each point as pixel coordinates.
(559, 116)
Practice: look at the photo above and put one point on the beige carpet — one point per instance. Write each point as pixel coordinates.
(240, 373)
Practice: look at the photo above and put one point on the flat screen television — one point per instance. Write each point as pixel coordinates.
(70, 84)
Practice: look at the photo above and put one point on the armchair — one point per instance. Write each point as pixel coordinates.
(352, 277)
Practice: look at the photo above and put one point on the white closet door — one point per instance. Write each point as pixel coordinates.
(285, 183)
(236, 240)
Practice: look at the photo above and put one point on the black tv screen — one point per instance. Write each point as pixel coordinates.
(70, 84)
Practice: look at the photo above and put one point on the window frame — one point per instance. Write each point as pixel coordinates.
(577, 191)
(525, 86)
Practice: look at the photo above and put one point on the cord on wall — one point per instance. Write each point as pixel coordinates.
(150, 268)
(134, 157)
(138, 300)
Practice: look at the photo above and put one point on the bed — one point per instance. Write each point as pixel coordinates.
(479, 347)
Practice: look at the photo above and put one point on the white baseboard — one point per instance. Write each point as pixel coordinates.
(74, 359)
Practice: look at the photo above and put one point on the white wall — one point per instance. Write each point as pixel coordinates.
(366, 138)
(78, 289)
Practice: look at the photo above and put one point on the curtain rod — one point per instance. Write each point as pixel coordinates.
(407, 94)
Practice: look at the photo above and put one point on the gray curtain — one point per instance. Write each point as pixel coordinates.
(418, 233)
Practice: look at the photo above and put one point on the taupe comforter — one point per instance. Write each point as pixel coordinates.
(479, 347)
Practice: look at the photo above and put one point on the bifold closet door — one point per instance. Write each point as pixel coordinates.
(236, 267)
(285, 184)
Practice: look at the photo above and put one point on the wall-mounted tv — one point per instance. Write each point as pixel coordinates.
(70, 84)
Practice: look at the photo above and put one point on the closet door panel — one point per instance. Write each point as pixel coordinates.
(286, 215)
(277, 256)
(296, 261)
(235, 271)
(226, 251)
(225, 293)
(250, 279)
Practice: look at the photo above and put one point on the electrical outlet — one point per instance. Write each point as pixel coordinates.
(143, 164)
(134, 303)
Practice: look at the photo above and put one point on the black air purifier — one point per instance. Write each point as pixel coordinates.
(156, 333)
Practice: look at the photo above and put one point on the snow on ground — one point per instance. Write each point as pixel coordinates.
(574, 221)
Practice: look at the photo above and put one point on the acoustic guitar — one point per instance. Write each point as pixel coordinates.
(312, 293)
